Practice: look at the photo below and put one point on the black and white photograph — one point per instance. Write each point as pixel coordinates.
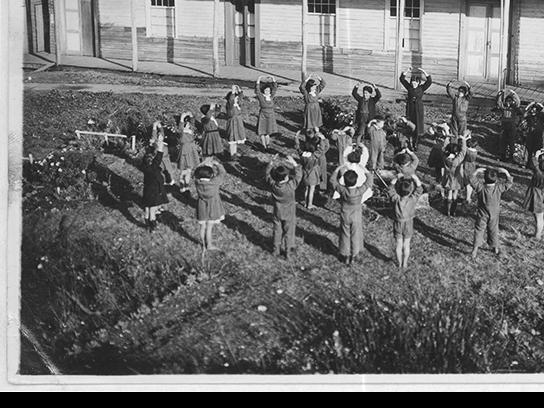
(329, 193)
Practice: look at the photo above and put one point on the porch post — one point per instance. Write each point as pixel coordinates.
(58, 31)
(134, 35)
(215, 46)
(401, 5)
(505, 41)
(304, 72)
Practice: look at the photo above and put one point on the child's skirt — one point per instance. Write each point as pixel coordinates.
(534, 200)
(189, 157)
(212, 144)
(312, 178)
(236, 130)
(210, 211)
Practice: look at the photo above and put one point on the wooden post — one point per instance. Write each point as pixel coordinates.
(215, 45)
(304, 67)
(505, 41)
(134, 35)
(400, 42)
(58, 32)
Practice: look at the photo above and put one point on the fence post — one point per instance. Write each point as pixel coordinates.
(133, 143)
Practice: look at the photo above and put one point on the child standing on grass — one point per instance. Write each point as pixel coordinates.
(267, 126)
(378, 143)
(189, 153)
(469, 167)
(351, 217)
(236, 130)
(212, 144)
(284, 182)
(355, 162)
(415, 110)
(311, 165)
(366, 109)
(154, 189)
(406, 134)
(441, 134)
(453, 173)
(534, 200)
(210, 176)
(311, 89)
(168, 169)
(508, 103)
(461, 103)
(405, 193)
(489, 192)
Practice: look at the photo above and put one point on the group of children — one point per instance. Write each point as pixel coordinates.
(453, 159)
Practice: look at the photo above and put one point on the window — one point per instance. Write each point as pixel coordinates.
(413, 12)
(322, 6)
(163, 3)
(161, 18)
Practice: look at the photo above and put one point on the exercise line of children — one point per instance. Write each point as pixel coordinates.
(454, 159)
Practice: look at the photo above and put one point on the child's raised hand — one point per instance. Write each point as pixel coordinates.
(291, 160)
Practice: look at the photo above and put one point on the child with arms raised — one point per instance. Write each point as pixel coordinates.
(311, 159)
(154, 189)
(266, 91)
(366, 109)
(236, 130)
(378, 143)
(311, 89)
(209, 176)
(454, 156)
(351, 217)
(284, 181)
(189, 153)
(405, 193)
(509, 104)
(212, 144)
(534, 200)
(489, 192)
(461, 102)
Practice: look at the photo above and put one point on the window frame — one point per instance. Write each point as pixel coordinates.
(149, 7)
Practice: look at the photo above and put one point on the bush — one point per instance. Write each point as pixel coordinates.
(337, 114)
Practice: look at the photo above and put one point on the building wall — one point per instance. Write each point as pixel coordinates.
(530, 40)
(46, 9)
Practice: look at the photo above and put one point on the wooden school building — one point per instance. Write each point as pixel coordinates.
(481, 40)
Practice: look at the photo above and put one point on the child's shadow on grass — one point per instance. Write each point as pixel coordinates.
(174, 223)
(436, 235)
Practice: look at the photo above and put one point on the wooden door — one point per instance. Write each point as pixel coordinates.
(245, 29)
(39, 31)
(483, 41)
(80, 33)
(87, 28)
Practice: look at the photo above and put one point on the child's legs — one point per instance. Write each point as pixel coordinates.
(147, 213)
(289, 230)
(167, 164)
(400, 250)
(278, 234)
(153, 213)
(381, 158)
(264, 140)
(455, 126)
(455, 195)
(493, 232)
(470, 191)
(539, 225)
(268, 141)
(209, 234)
(357, 235)
(406, 249)
(479, 235)
(374, 153)
(450, 195)
(345, 238)
(233, 148)
(311, 195)
(203, 234)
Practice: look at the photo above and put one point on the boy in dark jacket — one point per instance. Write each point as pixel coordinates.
(509, 105)
(366, 109)
(461, 103)
(284, 183)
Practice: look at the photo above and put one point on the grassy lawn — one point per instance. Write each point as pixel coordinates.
(106, 297)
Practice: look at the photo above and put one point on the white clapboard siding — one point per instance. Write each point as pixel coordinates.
(281, 22)
(531, 48)
(441, 26)
(361, 24)
(117, 13)
(195, 18)
(162, 22)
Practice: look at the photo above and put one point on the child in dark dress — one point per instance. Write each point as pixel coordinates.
(311, 157)
(311, 89)
(508, 103)
(236, 130)
(454, 157)
(189, 152)
(534, 200)
(209, 176)
(415, 110)
(461, 103)
(266, 92)
(469, 167)
(366, 109)
(212, 144)
(489, 192)
(154, 190)
(284, 181)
